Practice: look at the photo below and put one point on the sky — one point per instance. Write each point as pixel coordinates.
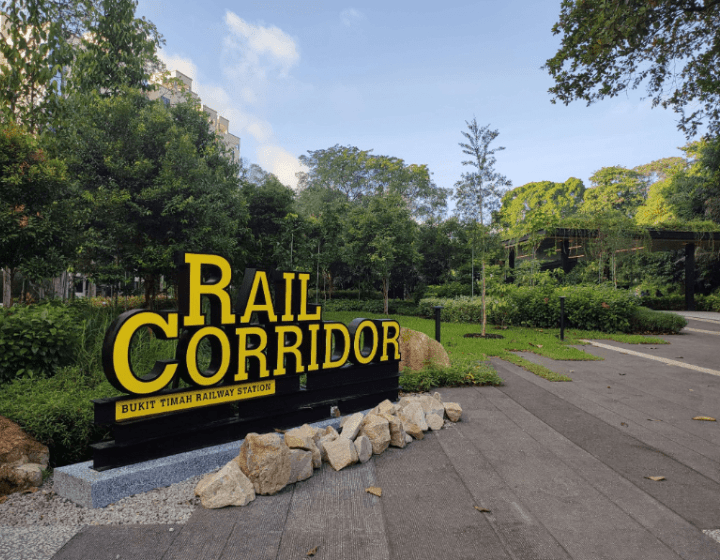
(401, 79)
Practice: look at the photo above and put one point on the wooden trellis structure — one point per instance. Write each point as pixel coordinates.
(564, 247)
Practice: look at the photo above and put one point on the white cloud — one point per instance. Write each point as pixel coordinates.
(175, 62)
(256, 40)
(254, 57)
(351, 15)
(282, 163)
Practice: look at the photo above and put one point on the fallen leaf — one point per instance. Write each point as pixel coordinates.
(539, 345)
(313, 551)
(280, 431)
(706, 418)
(608, 386)
(3, 499)
(605, 305)
(656, 478)
(623, 424)
(622, 374)
(29, 491)
(374, 490)
(482, 509)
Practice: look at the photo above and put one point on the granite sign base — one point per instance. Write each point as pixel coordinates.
(81, 484)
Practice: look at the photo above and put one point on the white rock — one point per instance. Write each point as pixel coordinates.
(341, 452)
(385, 407)
(364, 448)
(352, 424)
(435, 421)
(410, 428)
(408, 438)
(301, 465)
(437, 396)
(397, 433)
(227, 487)
(377, 429)
(431, 405)
(265, 460)
(299, 438)
(415, 414)
(453, 411)
(323, 442)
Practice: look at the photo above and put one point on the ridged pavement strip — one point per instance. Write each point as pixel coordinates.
(667, 361)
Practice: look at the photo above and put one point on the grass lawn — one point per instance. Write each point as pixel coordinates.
(468, 352)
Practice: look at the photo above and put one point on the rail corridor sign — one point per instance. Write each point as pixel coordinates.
(257, 351)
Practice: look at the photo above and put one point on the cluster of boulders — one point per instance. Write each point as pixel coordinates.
(269, 462)
(22, 459)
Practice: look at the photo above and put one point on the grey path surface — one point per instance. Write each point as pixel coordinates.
(561, 468)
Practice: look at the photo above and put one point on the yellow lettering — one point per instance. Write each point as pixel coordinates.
(293, 349)
(244, 352)
(260, 282)
(122, 370)
(387, 340)
(304, 316)
(288, 277)
(370, 346)
(342, 345)
(197, 289)
(313, 329)
(191, 357)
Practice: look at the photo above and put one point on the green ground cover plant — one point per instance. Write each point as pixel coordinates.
(467, 353)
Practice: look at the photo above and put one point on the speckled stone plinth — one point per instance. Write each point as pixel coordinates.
(90, 488)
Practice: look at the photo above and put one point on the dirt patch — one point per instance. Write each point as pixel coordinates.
(486, 335)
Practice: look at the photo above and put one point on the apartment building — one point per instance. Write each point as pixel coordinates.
(173, 93)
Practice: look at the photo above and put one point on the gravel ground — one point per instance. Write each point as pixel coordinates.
(35, 526)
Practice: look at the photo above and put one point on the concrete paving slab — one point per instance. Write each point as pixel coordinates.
(691, 495)
(113, 542)
(664, 524)
(429, 512)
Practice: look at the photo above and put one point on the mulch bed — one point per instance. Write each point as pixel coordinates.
(479, 335)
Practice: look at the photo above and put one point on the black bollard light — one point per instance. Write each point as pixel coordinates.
(437, 308)
(562, 317)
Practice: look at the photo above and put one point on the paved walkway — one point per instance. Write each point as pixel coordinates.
(561, 467)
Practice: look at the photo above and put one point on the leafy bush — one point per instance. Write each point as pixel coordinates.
(449, 290)
(667, 303)
(586, 307)
(395, 306)
(58, 412)
(476, 373)
(36, 340)
(648, 321)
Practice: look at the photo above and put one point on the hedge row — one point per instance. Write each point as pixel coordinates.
(677, 302)
(586, 308)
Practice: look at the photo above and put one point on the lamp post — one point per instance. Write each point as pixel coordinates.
(562, 317)
(437, 308)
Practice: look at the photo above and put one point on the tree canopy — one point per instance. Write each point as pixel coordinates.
(609, 46)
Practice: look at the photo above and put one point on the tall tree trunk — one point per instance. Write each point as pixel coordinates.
(484, 314)
(8, 275)
(386, 291)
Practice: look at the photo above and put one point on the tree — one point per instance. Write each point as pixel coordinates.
(557, 200)
(118, 50)
(37, 214)
(156, 180)
(31, 56)
(358, 174)
(478, 193)
(615, 188)
(380, 241)
(609, 46)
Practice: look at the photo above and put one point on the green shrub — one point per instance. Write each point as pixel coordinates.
(396, 306)
(475, 373)
(35, 340)
(645, 320)
(667, 303)
(586, 307)
(449, 290)
(58, 412)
